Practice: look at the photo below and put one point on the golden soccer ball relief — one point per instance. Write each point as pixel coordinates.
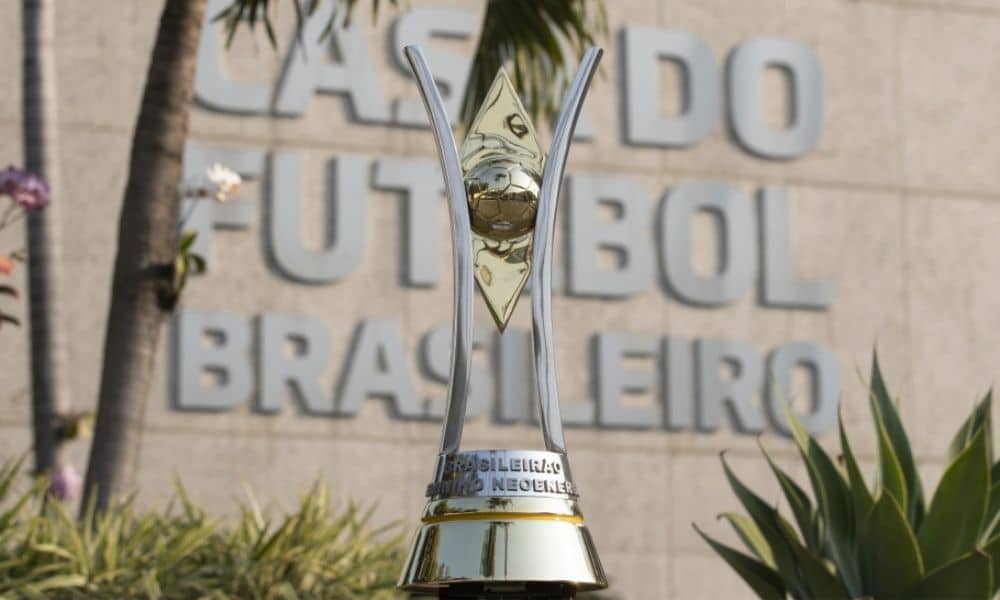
(503, 198)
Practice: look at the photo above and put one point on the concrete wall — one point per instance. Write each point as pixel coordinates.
(897, 206)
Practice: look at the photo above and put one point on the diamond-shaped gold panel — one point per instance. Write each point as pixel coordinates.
(502, 162)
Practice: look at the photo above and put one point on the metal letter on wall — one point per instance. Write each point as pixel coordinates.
(515, 394)
(824, 389)
(300, 370)
(420, 183)
(677, 381)
(614, 381)
(309, 70)
(736, 392)
(746, 67)
(779, 285)
(451, 71)
(211, 344)
(644, 48)
(736, 243)
(436, 351)
(211, 87)
(377, 367)
(345, 196)
(517, 397)
(590, 236)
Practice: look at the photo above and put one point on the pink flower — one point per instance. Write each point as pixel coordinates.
(65, 483)
(26, 189)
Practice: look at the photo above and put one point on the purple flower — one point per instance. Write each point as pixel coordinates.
(65, 483)
(26, 189)
(9, 179)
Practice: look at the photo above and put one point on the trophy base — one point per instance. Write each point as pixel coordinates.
(479, 591)
(503, 547)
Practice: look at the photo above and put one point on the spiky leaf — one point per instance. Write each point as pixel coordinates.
(764, 581)
(820, 581)
(992, 518)
(803, 571)
(771, 527)
(952, 525)
(861, 497)
(891, 478)
(834, 500)
(968, 578)
(890, 557)
(802, 508)
(887, 417)
(981, 418)
(751, 536)
(992, 548)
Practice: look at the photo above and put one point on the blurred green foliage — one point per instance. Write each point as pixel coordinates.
(315, 551)
(881, 541)
(539, 41)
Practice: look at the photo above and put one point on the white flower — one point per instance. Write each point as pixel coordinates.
(226, 181)
(219, 182)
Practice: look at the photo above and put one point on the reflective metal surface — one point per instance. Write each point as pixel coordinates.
(545, 230)
(502, 163)
(502, 523)
(511, 541)
(461, 243)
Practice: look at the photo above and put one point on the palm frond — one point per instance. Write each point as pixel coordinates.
(252, 12)
(539, 41)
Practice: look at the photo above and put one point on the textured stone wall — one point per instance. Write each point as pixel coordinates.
(898, 207)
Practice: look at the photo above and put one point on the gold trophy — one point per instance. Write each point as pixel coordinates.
(502, 523)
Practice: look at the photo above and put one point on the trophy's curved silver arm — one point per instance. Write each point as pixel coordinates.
(541, 258)
(461, 244)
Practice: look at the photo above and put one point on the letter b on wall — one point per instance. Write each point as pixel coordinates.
(625, 236)
(211, 348)
(736, 242)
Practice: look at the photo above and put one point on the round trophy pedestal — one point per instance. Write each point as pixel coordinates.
(519, 592)
(502, 524)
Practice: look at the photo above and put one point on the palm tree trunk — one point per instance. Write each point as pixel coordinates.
(146, 242)
(50, 393)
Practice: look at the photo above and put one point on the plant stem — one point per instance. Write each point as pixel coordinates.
(7, 215)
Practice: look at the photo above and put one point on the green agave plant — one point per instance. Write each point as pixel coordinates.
(882, 542)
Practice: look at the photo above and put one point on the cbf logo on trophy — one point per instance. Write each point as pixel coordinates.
(502, 523)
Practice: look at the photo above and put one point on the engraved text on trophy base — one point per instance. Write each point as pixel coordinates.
(502, 473)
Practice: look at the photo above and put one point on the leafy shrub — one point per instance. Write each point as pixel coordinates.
(313, 552)
(181, 553)
(882, 542)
